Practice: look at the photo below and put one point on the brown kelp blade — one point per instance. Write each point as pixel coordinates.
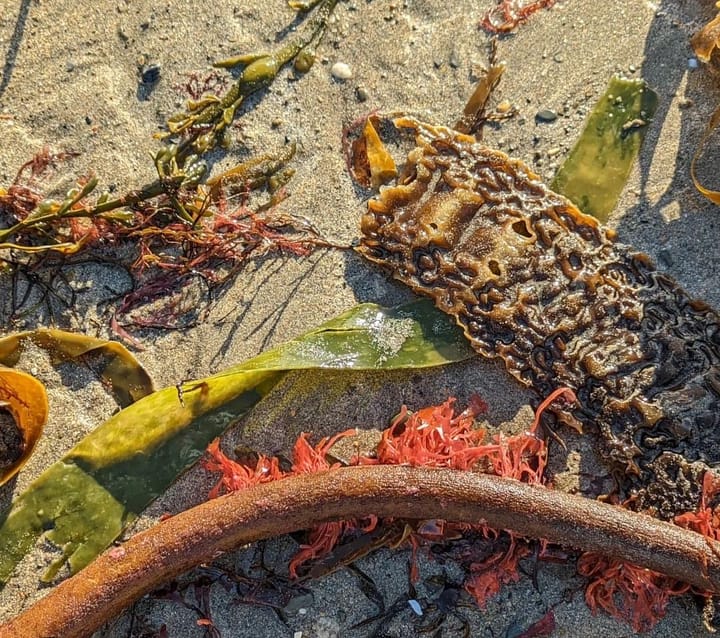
(23, 414)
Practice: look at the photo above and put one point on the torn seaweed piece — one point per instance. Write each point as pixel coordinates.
(122, 372)
(707, 40)
(118, 469)
(594, 174)
(23, 413)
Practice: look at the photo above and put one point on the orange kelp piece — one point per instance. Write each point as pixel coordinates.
(24, 399)
(370, 163)
(705, 41)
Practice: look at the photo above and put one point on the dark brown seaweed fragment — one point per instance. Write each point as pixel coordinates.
(537, 283)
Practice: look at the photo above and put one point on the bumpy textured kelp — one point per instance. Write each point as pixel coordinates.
(96, 489)
(542, 286)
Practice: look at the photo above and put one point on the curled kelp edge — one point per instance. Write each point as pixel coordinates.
(705, 43)
(24, 398)
(712, 195)
(122, 372)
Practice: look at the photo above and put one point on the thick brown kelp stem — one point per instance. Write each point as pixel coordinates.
(81, 604)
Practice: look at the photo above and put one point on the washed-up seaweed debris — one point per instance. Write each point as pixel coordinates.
(706, 41)
(179, 237)
(23, 414)
(84, 501)
(510, 14)
(23, 399)
(264, 500)
(595, 172)
(546, 289)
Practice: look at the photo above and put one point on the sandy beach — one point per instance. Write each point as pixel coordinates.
(72, 80)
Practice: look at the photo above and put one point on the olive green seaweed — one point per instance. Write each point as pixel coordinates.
(594, 174)
(120, 370)
(190, 134)
(84, 501)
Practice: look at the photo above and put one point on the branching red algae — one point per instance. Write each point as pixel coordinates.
(84, 602)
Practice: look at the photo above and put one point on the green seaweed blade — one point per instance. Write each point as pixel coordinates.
(84, 501)
(594, 174)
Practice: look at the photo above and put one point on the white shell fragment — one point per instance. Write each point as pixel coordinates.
(341, 71)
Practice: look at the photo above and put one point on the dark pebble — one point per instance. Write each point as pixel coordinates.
(546, 115)
(150, 73)
(361, 94)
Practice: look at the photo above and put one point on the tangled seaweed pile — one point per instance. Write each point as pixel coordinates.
(180, 237)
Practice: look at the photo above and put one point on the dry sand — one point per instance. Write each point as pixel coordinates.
(70, 79)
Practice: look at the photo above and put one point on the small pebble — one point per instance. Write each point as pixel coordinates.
(361, 94)
(546, 115)
(504, 106)
(685, 102)
(415, 606)
(558, 57)
(693, 63)
(632, 68)
(341, 71)
(556, 150)
(454, 60)
(150, 73)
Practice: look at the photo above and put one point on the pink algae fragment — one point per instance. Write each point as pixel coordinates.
(431, 437)
(509, 14)
(235, 476)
